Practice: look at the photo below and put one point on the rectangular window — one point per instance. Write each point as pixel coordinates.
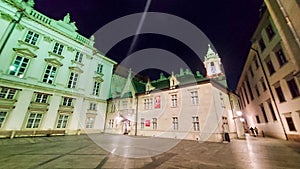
(49, 74)
(62, 121)
(124, 104)
(290, 123)
(262, 108)
(270, 65)
(31, 37)
(196, 123)
(246, 95)
(67, 101)
(249, 89)
(242, 99)
(99, 68)
(293, 87)
(280, 94)
(78, 57)
(154, 122)
(194, 96)
(280, 57)
(111, 123)
(96, 88)
(89, 123)
(148, 103)
(19, 66)
(263, 84)
(41, 98)
(142, 123)
(272, 110)
(2, 117)
(175, 123)
(251, 71)
(270, 32)
(261, 44)
(256, 62)
(257, 91)
(257, 119)
(73, 80)
(7, 93)
(58, 48)
(92, 106)
(174, 100)
(34, 120)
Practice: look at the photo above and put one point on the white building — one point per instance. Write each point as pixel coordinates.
(52, 79)
(182, 106)
(269, 84)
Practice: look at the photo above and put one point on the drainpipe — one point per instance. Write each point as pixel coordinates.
(136, 115)
(271, 92)
(14, 23)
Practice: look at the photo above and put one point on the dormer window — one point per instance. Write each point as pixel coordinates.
(173, 81)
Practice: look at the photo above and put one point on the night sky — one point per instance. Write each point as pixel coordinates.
(229, 25)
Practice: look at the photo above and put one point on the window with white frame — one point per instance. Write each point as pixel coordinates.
(78, 57)
(194, 96)
(174, 100)
(67, 101)
(7, 93)
(142, 123)
(154, 123)
(62, 121)
(99, 68)
(111, 123)
(196, 123)
(31, 37)
(96, 88)
(34, 120)
(175, 123)
(73, 80)
(49, 74)
(148, 103)
(58, 48)
(2, 117)
(19, 66)
(124, 104)
(89, 123)
(92, 106)
(41, 97)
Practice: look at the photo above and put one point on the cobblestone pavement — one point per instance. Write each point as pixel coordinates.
(84, 152)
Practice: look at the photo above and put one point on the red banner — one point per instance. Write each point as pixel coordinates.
(157, 102)
(147, 123)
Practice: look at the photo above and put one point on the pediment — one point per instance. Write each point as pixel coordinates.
(98, 79)
(25, 52)
(76, 69)
(53, 61)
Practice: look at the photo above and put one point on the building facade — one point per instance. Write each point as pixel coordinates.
(52, 79)
(269, 84)
(181, 106)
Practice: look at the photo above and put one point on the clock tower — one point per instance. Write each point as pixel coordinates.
(213, 66)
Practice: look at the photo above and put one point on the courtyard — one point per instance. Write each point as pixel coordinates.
(123, 151)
